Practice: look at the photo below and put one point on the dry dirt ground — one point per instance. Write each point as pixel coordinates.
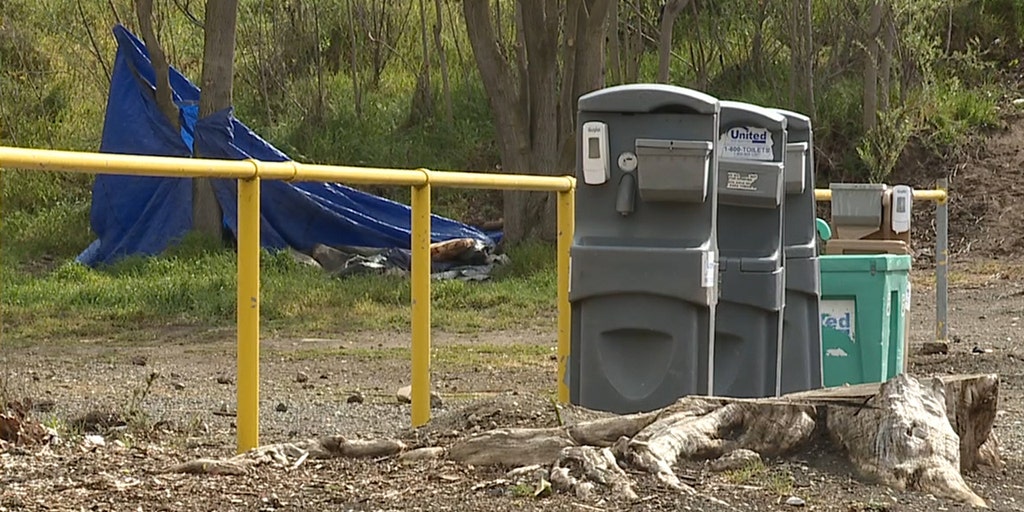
(175, 420)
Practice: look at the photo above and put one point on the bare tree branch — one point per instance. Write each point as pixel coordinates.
(188, 13)
(164, 96)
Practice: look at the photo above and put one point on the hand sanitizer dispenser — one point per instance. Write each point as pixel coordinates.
(596, 165)
(902, 199)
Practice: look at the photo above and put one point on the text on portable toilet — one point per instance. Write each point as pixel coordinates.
(747, 143)
(841, 316)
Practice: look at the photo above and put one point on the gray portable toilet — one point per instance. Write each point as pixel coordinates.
(801, 325)
(748, 326)
(643, 280)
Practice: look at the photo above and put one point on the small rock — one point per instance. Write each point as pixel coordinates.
(139, 361)
(224, 379)
(793, 501)
(178, 386)
(301, 377)
(430, 453)
(95, 440)
(355, 398)
(736, 459)
(281, 407)
(934, 347)
(404, 396)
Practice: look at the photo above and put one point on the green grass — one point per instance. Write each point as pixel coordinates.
(775, 480)
(194, 285)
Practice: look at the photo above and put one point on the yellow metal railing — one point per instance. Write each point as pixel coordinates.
(250, 173)
(937, 195)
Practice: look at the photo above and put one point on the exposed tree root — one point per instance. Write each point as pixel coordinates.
(292, 455)
(905, 433)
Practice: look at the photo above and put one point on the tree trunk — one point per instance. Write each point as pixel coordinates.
(442, 55)
(809, 57)
(871, 67)
(528, 111)
(217, 82)
(795, 51)
(614, 51)
(357, 95)
(423, 95)
(669, 12)
(905, 433)
(756, 57)
(885, 62)
(164, 95)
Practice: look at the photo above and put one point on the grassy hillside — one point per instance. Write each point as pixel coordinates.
(328, 85)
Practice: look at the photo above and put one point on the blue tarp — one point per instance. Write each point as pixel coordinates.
(144, 215)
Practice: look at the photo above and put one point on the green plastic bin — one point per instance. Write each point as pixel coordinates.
(865, 299)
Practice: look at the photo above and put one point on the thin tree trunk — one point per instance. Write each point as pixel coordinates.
(871, 67)
(795, 49)
(885, 63)
(217, 83)
(443, 57)
(668, 20)
(423, 97)
(809, 54)
(319, 64)
(635, 47)
(703, 75)
(756, 57)
(613, 43)
(357, 94)
(164, 95)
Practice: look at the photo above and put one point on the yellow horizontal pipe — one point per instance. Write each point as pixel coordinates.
(359, 175)
(133, 165)
(938, 196)
(183, 167)
(501, 181)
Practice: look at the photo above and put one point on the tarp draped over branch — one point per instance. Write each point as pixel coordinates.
(145, 215)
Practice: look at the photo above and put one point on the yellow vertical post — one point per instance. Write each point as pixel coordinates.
(566, 224)
(420, 305)
(248, 417)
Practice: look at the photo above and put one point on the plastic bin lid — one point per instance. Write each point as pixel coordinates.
(864, 262)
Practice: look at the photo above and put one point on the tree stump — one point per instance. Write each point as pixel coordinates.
(906, 433)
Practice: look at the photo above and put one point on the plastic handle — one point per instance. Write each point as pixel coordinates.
(824, 231)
